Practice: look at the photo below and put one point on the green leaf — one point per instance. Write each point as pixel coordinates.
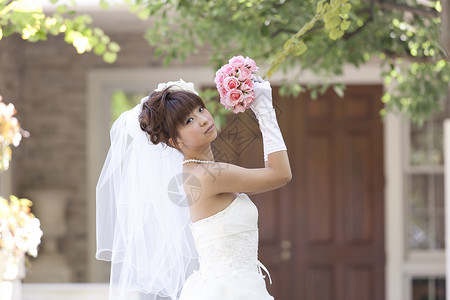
(338, 89)
(345, 25)
(134, 8)
(71, 35)
(438, 6)
(114, 47)
(14, 199)
(166, 60)
(288, 46)
(98, 31)
(110, 57)
(87, 32)
(331, 14)
(25, 202)
(105, 39)
(100, 49)
(319, 8)
(332, 23)
(61, 9)
(346, 8)
(300, 48)
(104, 4)
(336, 33)
(265, 30)
(144, 14)
(93, 40)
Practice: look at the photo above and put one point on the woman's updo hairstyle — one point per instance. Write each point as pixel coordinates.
(165, 111)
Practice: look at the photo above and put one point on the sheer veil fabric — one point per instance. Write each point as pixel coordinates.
(142, 224)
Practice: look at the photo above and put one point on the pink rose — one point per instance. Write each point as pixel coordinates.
(238, 109)
(250, 63)
(222, 92)
(247, 85)
(237, 61)
(230, 83)
(248, 99)
(244, 74)
(228, 70)
(219, 78)
(223, 101)
(233, 97)
(234, 84)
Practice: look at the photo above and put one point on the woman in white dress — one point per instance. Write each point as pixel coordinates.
(222, 219)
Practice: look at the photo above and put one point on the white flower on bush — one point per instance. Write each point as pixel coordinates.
(10, 133)
(20, 231)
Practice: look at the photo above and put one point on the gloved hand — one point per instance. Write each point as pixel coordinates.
(263, 96)
(265, 113)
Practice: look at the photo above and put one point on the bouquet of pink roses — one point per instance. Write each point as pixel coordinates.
(234, 83)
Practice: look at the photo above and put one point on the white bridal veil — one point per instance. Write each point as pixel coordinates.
(142, 215)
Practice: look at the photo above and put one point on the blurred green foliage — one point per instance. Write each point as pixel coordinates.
(318, 36)
(321, 36)
(122, 101)
(27, 18)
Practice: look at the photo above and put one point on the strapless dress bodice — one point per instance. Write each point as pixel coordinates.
(227, 244)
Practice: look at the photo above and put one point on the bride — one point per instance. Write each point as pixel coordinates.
(175, 223)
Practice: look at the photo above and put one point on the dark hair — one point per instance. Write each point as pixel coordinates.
(164, 112)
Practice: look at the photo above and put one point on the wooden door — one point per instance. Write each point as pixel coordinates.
(321, 235)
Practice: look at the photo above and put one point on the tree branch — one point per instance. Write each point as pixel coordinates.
(283, 30)
(349, 35)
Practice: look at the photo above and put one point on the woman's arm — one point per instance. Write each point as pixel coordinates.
(276, 173)
(221, 177)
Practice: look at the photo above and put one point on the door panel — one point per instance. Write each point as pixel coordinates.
(321, 235)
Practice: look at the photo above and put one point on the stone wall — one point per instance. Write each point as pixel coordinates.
(11, 68)
(48, 81)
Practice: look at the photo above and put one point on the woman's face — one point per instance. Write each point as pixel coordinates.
(197, 132)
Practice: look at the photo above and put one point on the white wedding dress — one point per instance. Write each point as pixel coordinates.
(227, 244)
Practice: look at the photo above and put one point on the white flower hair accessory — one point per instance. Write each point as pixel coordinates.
(176, 86)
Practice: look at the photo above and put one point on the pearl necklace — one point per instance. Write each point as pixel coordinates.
(198, 161)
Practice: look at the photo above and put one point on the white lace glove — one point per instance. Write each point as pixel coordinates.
(265, 113)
